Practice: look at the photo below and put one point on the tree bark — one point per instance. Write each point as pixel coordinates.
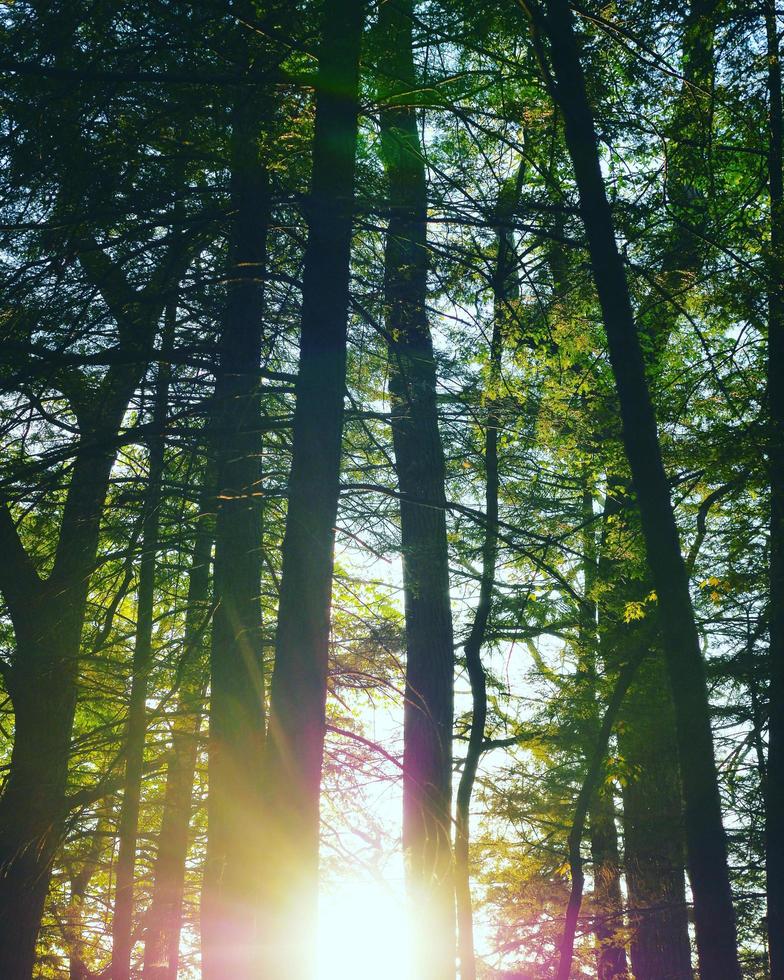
(653, 830)
(419, 462)
(688, 180)
(608, 922)
(48, 617)
(654, 847)
(237, 697)
(295, 740)
(43, 690)
(707, 850)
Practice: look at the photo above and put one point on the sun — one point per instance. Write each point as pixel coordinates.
(362, 933)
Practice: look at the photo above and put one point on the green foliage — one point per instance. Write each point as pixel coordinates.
(115, 142)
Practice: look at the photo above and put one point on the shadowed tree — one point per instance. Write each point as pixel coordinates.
(706, 843)
(237, 708)
(419, 465)
(295, 741)
(48, 613)
(505, 290)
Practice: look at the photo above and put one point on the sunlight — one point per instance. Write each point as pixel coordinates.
(362, 930)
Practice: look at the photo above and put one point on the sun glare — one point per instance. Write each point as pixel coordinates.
(362, 933)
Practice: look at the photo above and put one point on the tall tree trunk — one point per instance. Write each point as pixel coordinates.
(136, 730)
(653, 830)
(237, 708)
(505, 288)
(295, 741)
(688, 180)
(31, 810)
(48, 618)
(607, 896)
(707, 850)
(419, 462)
(774, 830)
(654, 847)
(608, 922)
(48, 614)
(164, 917)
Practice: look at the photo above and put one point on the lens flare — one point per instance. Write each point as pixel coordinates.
(362, 933)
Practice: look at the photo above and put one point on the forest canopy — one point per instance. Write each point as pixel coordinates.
(391, 490)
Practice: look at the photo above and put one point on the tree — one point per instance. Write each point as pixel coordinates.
(707, 857)
(295, 741)
(445, 383)
(237, 686)
(419, 464)
(122, 920)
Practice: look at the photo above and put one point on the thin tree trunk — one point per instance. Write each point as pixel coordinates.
(419, 462)
(164, 917)
(136, 731)
(607, 896)
(584, 800)
(505, 288)
(295, 741)
(774, 830)
(237, 708)
(610, 953)
(73, 918)
(707, 849)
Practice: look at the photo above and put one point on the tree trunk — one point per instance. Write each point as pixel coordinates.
(419, 462)
(774, 830)
(73, 925)
(689, 188)
(585, 798)
(164, 917)
(654, 855)
(707, 850)
(653, 830)
(136, 731)
(608, 922)
(295, 741)
(31, 809)
(48, 618)
(505, 288)
(48, 615)
(237, 710)
(654, 852)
